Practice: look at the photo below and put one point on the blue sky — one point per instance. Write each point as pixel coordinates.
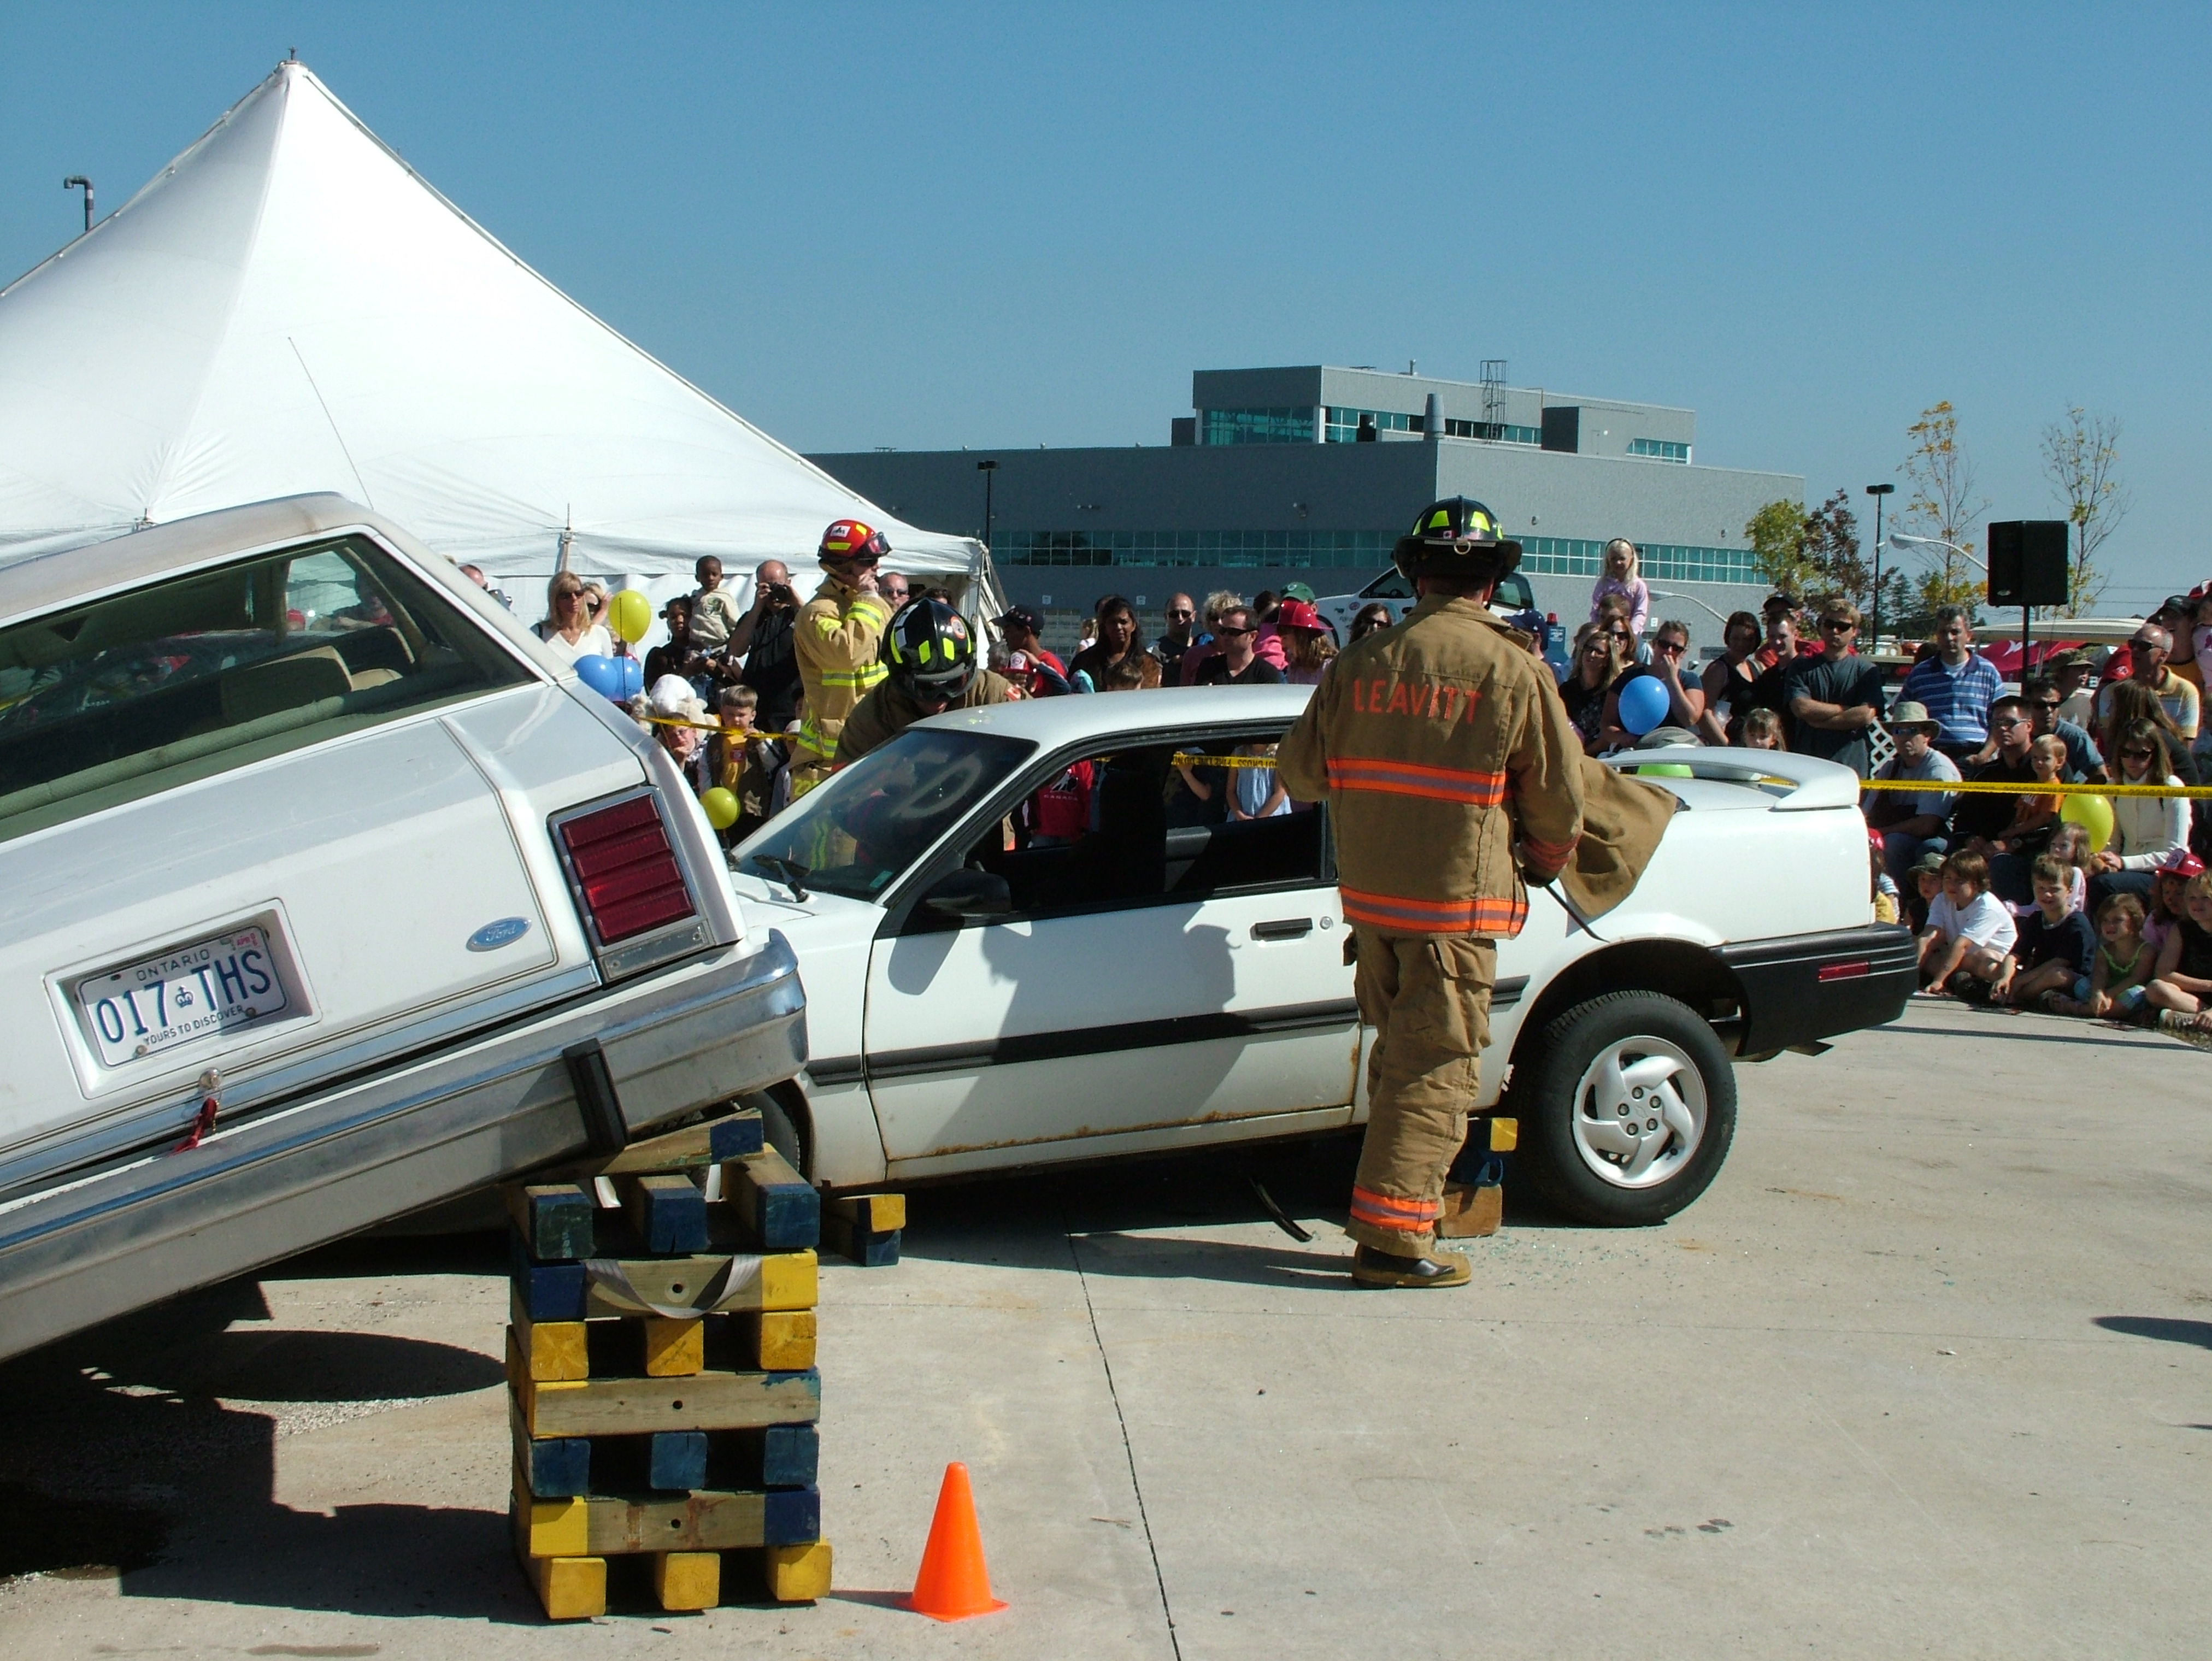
(1012, 225)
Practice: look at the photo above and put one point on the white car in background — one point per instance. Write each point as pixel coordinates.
(1514, 601)
(1165, 983)
(297, 822)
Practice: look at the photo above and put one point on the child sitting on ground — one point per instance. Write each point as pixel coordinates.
(2124, 963)
(1969, 932)
(2182, 990)
(2056, 946)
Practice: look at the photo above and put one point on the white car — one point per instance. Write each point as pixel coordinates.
(1514, 601)
(300, 833)
(1166, 980)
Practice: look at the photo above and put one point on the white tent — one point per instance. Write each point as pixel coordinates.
(288, 306)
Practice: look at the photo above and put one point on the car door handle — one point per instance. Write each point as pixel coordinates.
(1287, 928)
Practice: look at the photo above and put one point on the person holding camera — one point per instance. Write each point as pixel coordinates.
(762, 638)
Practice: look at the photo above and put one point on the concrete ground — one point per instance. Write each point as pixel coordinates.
(1927, 1371)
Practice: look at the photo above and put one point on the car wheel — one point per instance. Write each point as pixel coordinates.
(780, 1129)
(1626, 1109)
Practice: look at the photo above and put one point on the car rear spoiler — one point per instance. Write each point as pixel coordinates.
(1800, 783)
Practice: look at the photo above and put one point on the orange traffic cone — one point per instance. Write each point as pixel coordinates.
(953, 1584)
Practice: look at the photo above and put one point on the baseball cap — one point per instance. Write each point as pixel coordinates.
(1778, 601)
(1021, 615)
(1297, 591)
(2180, 862)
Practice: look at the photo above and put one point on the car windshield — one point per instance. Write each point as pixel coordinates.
(856, 834)
(119, 698)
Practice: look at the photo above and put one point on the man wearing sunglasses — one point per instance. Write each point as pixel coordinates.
(2084, 760)
(2147, 656)
(1237, 664)
(1171, 647)
(1835, 699)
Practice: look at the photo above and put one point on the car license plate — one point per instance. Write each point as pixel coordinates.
(199, 991)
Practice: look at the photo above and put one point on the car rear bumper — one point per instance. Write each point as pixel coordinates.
(329, 1164)
(1811, 987)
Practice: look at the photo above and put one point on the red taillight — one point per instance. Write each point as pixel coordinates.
(622, 861)
(1844, 970)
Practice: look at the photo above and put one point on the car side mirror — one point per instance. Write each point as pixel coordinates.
(968, 894)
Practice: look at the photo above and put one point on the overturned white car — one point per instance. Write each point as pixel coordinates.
(329, 895)
(1151, 974)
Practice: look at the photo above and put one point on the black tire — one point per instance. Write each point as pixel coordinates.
(784, 1131)
(1543, 1100)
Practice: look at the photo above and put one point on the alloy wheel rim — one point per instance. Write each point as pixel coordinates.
(1639, 1112)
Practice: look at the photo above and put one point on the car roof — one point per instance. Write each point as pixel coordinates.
(44, 581)
(1079, 718)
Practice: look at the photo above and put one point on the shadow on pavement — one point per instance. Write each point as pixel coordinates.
(123, 1460)
(2161, 1327)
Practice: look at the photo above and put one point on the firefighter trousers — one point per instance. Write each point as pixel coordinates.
(1427, 997)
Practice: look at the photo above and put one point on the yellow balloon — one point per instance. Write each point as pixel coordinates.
(721, 808)
(2094, 814)
(629, 614)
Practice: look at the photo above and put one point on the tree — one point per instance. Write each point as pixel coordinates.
(2080, 457)
(1832, 548)
(1944, 506)
(1777, 535)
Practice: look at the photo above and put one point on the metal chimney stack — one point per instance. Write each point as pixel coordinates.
(1433, 421)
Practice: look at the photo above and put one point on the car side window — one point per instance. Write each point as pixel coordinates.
(1154, 824)
(123, 697)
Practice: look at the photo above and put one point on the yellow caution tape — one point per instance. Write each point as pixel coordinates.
(1184, 759)
(2030, 788)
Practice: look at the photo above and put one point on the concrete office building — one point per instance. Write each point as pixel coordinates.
(1309, 474)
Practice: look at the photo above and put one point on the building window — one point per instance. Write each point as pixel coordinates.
(1492, 432)
(1251, 549)
(1660, 449)
(1568, 556)
(1291, 425)
(1342, 426)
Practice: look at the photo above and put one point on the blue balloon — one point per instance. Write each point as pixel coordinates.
(1643, 704)
(633, 676)
(601, 673)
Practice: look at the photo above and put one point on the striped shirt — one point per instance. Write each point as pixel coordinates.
(1958, 700)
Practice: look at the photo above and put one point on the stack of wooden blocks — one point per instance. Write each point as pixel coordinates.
(661, 1370)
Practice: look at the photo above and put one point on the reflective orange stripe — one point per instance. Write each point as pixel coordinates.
(1549, 853)
(1397, 914)
(1477, 789)
(1402, 1215)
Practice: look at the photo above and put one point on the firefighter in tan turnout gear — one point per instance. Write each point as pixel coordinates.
(836, 640)
(1451, 772)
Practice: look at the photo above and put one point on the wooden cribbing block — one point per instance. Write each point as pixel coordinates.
(868, 1247)
(708, 1401)
(703, 1519)
(733, 1136)
(562, 1291)
(669, 1212)
(549, 1350)
(688, 1579)
(879, 1214)
(798, 1574)
(665, 1461)
(778, 1209)
(775, 1342)
(571, 1588)
(675, 1349)
(555, 1219)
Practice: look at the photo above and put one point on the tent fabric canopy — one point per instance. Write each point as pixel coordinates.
(289, 308)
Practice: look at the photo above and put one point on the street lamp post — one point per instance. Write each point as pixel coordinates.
(989, 470)
(79, 182)
(1878, 491)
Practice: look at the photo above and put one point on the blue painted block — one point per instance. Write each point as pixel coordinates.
(677, 1460)
(791, 1456)
(558, 1467)
(735, 1136)
(549, 1291)
(791, 1517)
(669, 1212)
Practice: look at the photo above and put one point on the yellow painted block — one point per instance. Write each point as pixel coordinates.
(878, 1213)
(688, 1579)
(552, 1350)
(798, 1575)
(559, 1528)
(790, 1280)
(1504, 1134)
(785, 1340)
(571, 1588)
(674, 1349)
